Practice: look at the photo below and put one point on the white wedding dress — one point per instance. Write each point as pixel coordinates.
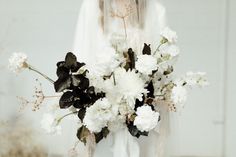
(95, 29)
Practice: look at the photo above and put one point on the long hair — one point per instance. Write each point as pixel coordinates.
(136, 16)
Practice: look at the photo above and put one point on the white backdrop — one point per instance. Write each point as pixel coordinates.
(44, 30)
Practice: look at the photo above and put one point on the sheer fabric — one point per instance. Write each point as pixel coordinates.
(138, 22)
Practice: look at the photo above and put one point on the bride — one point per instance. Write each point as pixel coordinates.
(102, 25)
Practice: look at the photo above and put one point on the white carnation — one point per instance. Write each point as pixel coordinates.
(146, 119)
(193, 79)
(169, 34)
(146, 64)
(179, 96)
(17, 62)
(99, 114)
(129, 85)
(50, 125)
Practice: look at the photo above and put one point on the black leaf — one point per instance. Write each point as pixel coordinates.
(133, 130)
(103, 134)
(131, 55)
(67, 100)
(62, 71)
(78, 104)
(62, 83)
(146, 49)
(81, 113)
(75, 67)
(70, 60)
(150, 89)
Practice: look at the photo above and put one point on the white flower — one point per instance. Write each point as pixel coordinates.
(129, 85)
(106, 62)
(50, 125)
(99, 114)
(17, 62)
(146, 64)
(171, 50)
(146, 119)
(179, 96)
(169, 34)
(198, 79)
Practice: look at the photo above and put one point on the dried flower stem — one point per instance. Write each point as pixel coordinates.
(60, 119)
(45, 76)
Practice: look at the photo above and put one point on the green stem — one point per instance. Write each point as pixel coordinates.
(35, 70)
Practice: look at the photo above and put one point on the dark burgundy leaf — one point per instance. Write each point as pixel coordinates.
(62, 83)
(131, 55)
(62, 71)
(103, 134)
(76, 66)
(67, 100)
(70, 60)
(146, 49)
(81, 113)
(150, 89)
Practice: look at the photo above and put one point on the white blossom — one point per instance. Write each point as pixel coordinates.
(50, 125)
(179, 96)
(99, 114)
(171, 50)
(146, 118)
(17, 62)
(169, 34)
(146, 64)
(198, 78)
(129, 85)
(106, 62)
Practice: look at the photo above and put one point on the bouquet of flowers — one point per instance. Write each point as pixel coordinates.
(125, 90)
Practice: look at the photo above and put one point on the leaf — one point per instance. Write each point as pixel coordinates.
(82, 134)
(66, 100)
(103, 134)
(131, 55)
(81, 113)
(62, 71)
(133, 130)
(150, 89)
(62, 83)
(146, 49)
(70, 60)
(76, 66)
(80, 81)
(139, 103)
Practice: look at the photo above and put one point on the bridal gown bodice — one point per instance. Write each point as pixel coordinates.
(90, 40)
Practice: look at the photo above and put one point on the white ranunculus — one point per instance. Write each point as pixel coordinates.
(129, 86)
(171, 50)
(99, 114)
(179, 96)
(106, 62)
(50, 125)
(17, 62)
(146, 118)
(169, 34)
(198, 78)
(146, 64)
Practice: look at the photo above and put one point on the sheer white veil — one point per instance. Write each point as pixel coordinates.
(95, 24)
